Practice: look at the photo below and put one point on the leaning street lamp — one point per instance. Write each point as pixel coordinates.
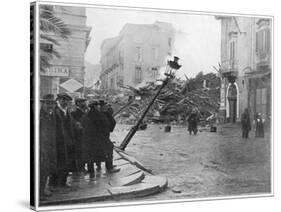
(171, 68)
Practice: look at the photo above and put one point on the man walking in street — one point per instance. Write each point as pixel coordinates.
(246, 123)
(192, 122)
(47, 141)
(78, 116)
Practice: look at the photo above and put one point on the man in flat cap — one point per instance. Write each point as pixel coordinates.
(64, 140)
(78, 116)
(47, 141)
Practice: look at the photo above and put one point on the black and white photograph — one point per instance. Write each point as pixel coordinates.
(144, 105)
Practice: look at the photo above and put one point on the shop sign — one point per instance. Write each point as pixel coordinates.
(56, 71)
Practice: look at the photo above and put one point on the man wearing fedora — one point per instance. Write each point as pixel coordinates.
(64, 140)
(47, 141)
(78, 116)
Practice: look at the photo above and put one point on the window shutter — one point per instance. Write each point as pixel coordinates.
(260, 41)
(268, 39)
(257, 41)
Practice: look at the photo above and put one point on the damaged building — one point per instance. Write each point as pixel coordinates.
(136, 55)
(246, 64)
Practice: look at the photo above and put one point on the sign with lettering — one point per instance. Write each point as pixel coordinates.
(56, 71)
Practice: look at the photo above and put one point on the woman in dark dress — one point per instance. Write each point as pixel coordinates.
(259, 126)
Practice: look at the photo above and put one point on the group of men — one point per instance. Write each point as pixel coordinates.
(71, 139)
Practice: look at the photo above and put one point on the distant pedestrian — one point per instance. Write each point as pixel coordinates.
(47, 141)
(246, 123)
(192, 122)
(78, 116)
(259, 125)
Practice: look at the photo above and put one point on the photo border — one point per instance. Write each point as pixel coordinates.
(147, 202)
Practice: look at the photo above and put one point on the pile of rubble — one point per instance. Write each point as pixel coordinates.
(174, 103)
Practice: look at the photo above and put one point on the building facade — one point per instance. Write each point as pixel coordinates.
(136, 55)
(245, 67)
(66, 73)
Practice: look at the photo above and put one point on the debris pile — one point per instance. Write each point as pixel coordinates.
(174, 103)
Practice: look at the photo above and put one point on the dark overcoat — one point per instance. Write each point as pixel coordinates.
(96, 141)
(246, 122)
(259, 127)
(64, 140)
(192, 122)
(48, 160)
(78, 115)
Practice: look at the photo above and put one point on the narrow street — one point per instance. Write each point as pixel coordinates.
(205, 165)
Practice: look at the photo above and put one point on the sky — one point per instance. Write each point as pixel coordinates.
(197, 41)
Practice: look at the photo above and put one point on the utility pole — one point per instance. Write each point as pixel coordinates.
(172, 65)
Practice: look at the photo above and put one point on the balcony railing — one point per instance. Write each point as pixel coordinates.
(229, 65)
(263, 58)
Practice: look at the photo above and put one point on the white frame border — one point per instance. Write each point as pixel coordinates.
(37, 107)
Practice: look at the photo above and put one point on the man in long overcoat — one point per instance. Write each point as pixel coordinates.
(64, 140)
(109, 124)
(47, 142)
(78, 116)
(91, 148)
(192, 122)
(97, 146)
(246, 123)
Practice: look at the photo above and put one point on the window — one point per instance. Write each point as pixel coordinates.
(154, 72)
(261, 100)
(232, 50)
(138, 54)
(138, 74)
(112, 82)
(48, 47)
(170, 42)
(120, 80)
(263, 41)
(106, 83)
(155, 53)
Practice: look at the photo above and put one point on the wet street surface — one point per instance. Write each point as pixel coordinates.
(204, 165)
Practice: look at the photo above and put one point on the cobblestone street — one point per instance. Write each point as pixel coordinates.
(205, 165)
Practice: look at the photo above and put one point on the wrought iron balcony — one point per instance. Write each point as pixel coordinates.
(263, 58)
(229, 66)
